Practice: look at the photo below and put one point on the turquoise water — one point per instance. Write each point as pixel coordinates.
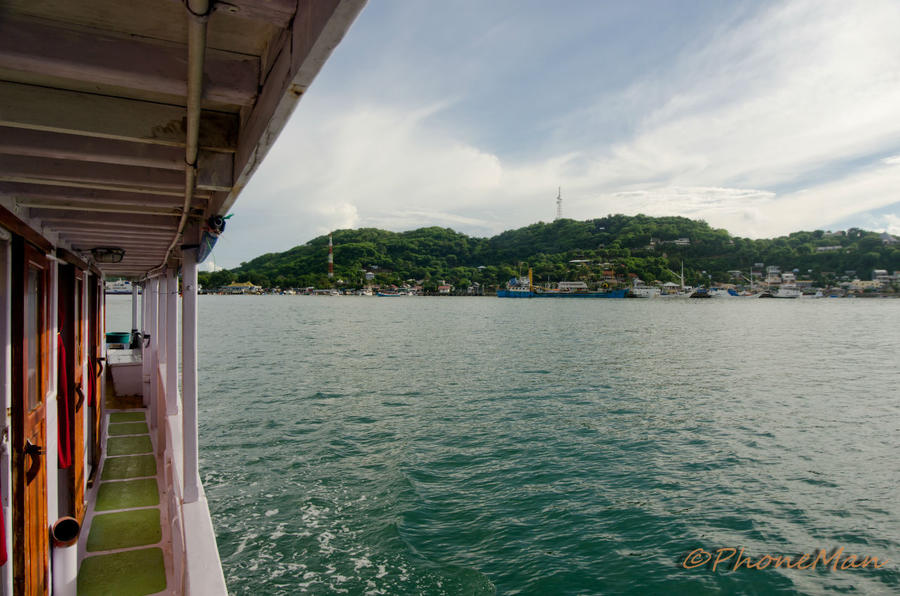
(477, 446)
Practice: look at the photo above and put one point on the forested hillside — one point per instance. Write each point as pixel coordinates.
(651, 247)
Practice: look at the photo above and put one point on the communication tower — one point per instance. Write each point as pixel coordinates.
(330, 258)
(559, 204)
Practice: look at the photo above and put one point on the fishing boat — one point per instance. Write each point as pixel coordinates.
(127, 132)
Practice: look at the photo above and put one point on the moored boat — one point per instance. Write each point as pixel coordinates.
(782, 292)
(523, 287)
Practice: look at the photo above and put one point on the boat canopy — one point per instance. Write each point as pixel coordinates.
(128, 125)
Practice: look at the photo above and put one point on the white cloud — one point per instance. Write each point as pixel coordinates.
(889, 223)
(798, 94)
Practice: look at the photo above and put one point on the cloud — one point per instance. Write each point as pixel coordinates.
(889, 223)
(764, 125)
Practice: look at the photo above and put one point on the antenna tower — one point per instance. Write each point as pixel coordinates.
(330, 258)
(559, 204)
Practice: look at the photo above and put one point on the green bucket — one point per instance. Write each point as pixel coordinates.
(118, 337)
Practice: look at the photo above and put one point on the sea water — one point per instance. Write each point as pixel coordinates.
(413, 445)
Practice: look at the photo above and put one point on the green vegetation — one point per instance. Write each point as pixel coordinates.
(645, 246)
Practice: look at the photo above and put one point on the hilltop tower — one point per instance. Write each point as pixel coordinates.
(559, 204)
(330, 258)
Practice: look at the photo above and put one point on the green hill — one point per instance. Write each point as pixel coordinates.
(650, 247)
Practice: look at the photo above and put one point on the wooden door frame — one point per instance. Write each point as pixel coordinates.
(72, 280)
(23, 254)
(96, 368)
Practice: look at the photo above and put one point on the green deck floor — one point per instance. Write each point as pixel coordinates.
(128, 428)
(128, 445)
(128, 573)
(136, 527)
(129, 466)
(126, 417)
(128, 484)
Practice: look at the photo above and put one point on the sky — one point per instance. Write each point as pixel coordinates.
(759, 117)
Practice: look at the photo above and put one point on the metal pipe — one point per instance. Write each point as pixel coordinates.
(198, 15)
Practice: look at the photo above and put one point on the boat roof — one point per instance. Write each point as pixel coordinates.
(94, 123)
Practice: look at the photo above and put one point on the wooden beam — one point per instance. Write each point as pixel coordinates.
(275, 12)
(318, 27)
(215, 168)
(11, 222)
(140, 236)
(110, 219)
(102, 207)
(60, 197)
(137, 196)
(135, 265)
(72, 259)
(130, 63)
(37, 143)
(17, 168)
(149, 19)
(56, 110)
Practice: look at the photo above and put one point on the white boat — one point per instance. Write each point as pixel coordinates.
(788, 292)
(641, 291)
(783, 292)
(120, 286)
(126, 144)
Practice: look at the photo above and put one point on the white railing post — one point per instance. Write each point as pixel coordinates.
(189, 376)
(152, 326)
(161, 328)
(159, 413)
(145, 353)
(171, 342)
(134, 307)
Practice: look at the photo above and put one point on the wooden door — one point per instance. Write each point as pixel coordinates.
(30, 368)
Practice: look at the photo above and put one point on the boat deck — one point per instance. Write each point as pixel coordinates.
(125, 545)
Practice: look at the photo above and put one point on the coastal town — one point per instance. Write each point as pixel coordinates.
(613, 257)
(766, 281)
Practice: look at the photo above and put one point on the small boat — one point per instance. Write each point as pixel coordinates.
(121, 286)
(523, 287)
(722, 293)
(640, 291)
(782, 292)
(701, 293)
